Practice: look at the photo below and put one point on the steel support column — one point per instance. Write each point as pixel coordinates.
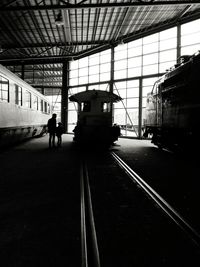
(112, 77)
(140, 110)
(22, 72)
(64, 95)
(178, 41)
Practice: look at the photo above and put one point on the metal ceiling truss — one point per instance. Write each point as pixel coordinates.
(31, 37)
(81, 5)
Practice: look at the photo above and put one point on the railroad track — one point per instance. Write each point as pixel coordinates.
(90, 233)
(166, 207)
(89, 246)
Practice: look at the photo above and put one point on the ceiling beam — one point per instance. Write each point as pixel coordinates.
(51, 45)
(68, 6)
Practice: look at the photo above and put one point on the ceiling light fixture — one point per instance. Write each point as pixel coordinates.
(59, 20)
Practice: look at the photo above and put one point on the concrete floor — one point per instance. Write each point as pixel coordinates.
(39, 196)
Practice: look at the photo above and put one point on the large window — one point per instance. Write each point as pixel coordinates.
(126, 111)
(137, 65)
(92, 69)
(190, 37)
(147, 56)
(4, 89)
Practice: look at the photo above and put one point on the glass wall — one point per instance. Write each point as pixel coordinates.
(190, 37)
(137, 65)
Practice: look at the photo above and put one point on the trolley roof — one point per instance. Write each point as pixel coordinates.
(92, 94)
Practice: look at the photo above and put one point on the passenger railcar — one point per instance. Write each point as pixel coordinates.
(173, 106)
(94, 124)
(23, 110)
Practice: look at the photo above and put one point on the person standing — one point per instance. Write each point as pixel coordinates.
(52, 130)
(59, 132)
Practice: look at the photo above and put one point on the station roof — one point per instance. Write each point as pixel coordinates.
(49, 32)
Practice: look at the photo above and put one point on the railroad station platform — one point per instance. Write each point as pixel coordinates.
(40, 198)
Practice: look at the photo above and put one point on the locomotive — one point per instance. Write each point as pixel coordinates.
(173, 107)
(94, 124)
(24, 111)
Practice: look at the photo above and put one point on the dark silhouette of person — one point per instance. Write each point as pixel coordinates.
(59, 132)
(52, 130)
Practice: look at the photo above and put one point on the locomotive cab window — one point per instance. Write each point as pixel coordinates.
(105, 107)
(86, 106)
(4, 89)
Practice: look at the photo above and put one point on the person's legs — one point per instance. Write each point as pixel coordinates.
(53, 139)
(59, 141)
(50, 138)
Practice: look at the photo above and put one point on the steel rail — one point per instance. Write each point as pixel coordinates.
(174, 215)
(88, 231)
(84, 260)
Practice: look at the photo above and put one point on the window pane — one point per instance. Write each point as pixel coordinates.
(104, 76)
(190, 39)
(149, 48)
(94, 78)
(168, 44)
(74, 65)
(167, 34)
(136, 43)
(190, 27)
(94, 70)
(73, 81)
(120, 85)
(93, 60)
(83, 79)
(105, 67)
(120, 74)
(169, 55)
(120, 54)
(119, 116)
(134, 72)
(135, 51)
(133, 83)
(190, 50)
(132, 102)
(150, 69)
(83, 72)
(134, 62)
(150, 39)
(133, 92)
(72, 117)
(150, 59)
(83, 62)
(120, 65)
(105, 56)
(73, 73)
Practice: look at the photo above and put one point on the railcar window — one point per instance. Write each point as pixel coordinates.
(27, 99)
(35, 102)
(18, 95)
(41, 105)
(4, 89)
(48, 111)
(45, 107)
